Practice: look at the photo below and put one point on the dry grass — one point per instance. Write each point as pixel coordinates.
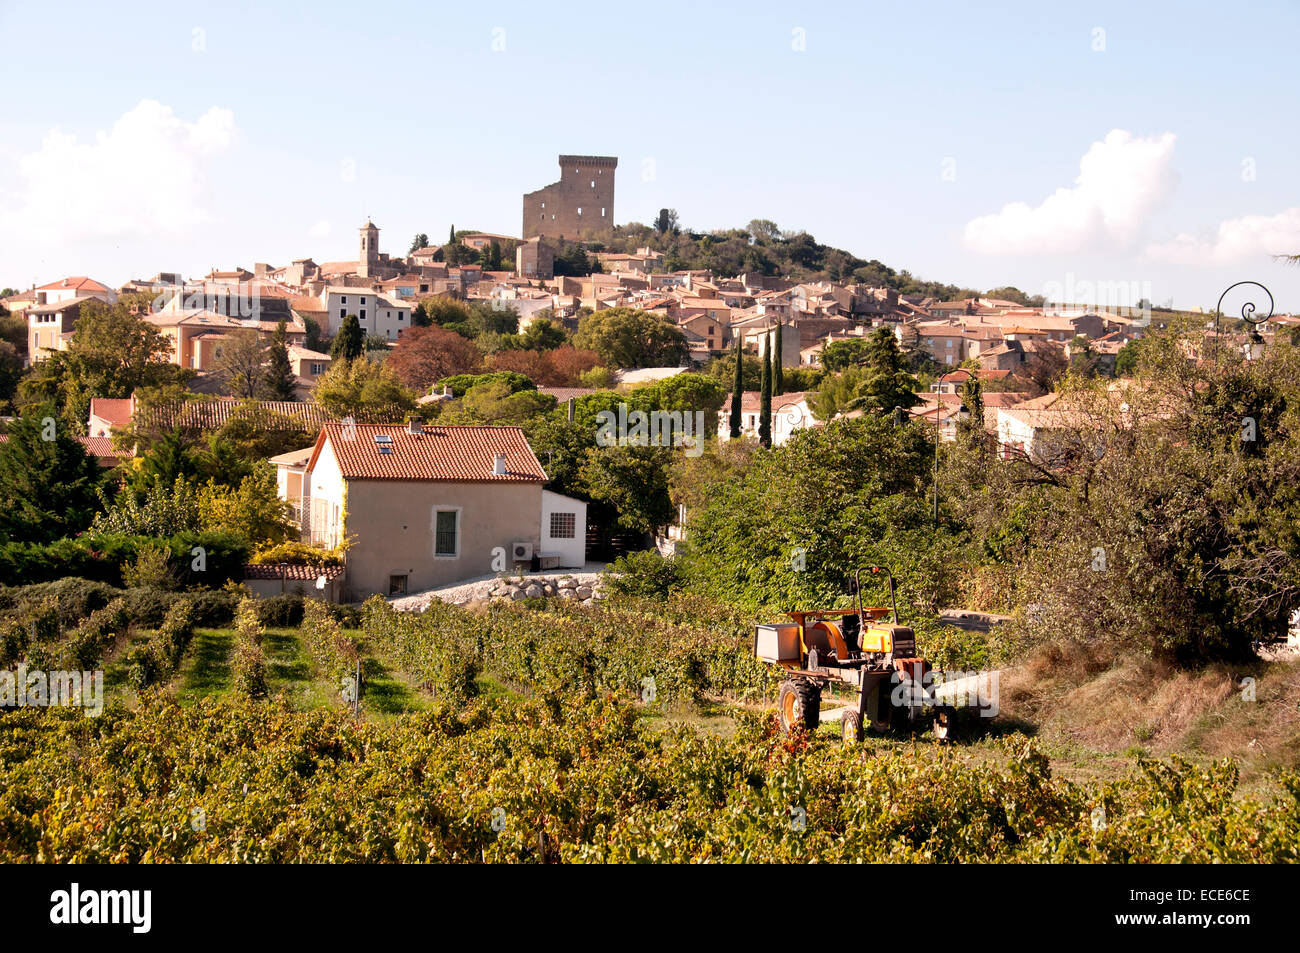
(1102, 704)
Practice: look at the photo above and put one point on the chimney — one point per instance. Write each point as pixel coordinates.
(499, 465)
(414, 427)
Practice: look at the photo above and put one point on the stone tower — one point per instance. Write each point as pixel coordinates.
(368, 258)
(580, 205)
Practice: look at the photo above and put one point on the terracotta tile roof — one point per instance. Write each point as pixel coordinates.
(1002, 398)
(211, 413)
(562, 394)
(751, 401)
(79, 282)
(293, 572)
(101, 447)
(117, 411)
(456, 454)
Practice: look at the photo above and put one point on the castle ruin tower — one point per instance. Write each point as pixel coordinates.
(580, 205)
(368, 258)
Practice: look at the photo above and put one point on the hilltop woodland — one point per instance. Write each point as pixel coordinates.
(1140, 559)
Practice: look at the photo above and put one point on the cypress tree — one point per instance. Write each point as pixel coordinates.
(737, 393)
(765, 400)
(350, 342)
(278, 384)
(778, 376)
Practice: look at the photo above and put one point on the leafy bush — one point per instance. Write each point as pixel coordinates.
(85, 646)
(335, 653)
(248, 664)
(296, 554)
(150, 568)
(280, 612)
(645, 574)
(100, 557)
(74, 598)
(148, 607)
(214, 608)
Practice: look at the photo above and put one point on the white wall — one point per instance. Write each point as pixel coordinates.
(572, 552)
(327, 490)
(382, 319)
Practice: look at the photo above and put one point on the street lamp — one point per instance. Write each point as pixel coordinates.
(1254, 346)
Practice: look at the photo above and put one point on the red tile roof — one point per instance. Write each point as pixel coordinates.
(79, 282)
(117, 411)
(292, 572)
(751, 401)
(455, 454)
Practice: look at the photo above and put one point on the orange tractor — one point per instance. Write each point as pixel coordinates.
(863, 647)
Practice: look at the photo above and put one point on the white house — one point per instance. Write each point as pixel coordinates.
(422, 506)
(378, 314)
(790, 412)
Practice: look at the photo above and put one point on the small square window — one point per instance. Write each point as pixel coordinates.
(563, 525)
(397, 585)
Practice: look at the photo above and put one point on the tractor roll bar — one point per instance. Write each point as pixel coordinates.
(875, 571)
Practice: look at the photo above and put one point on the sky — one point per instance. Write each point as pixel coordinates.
(1131, 149)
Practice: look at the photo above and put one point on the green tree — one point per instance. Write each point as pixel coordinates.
(778, 382)
(113, 353)
(542, 335)
(887, 383)
(493, 402)
(364, 390)
(765, 401)
(666, 221)
(631, 338)
(1126, 361)
(47, 481)
(350, 342)
(420, 240)
(278, 383)
(241, 363)
(736, 420)
(633, 480)
(837, 355)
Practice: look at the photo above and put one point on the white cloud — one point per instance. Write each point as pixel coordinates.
(1122, 179)
(320, 230)
(1237, 239)
(145, 176)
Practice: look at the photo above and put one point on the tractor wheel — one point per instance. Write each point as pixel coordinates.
(851, 726)
(800, 704)
(945, 724)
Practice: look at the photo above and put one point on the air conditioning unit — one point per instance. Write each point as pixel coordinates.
(521, 551)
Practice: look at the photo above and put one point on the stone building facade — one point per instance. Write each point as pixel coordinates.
(580, 204)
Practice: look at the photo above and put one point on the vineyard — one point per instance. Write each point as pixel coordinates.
(534, 733)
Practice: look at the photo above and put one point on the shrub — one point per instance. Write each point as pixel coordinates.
(335, 653)
(158, 658)
(248, 665)
(150, 569)
(86, 645)
(147, 607)
(281, 611)
(645, 574)
(297, 554)
(214, 608)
